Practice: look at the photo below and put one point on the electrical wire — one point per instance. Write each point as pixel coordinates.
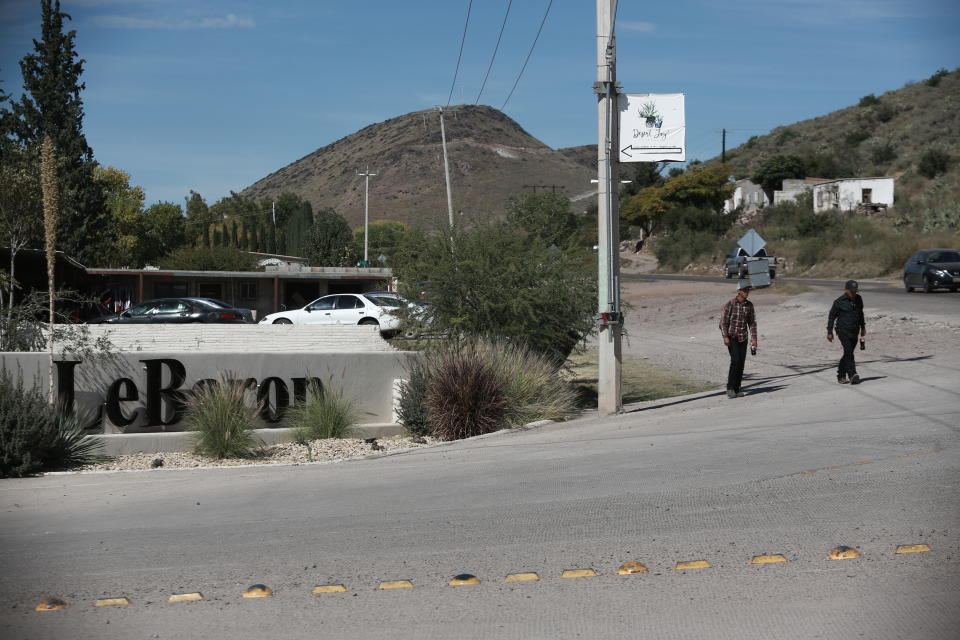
(530, 53)
(495, 49)
(463, 39)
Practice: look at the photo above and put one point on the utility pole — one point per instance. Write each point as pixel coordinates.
(609, 398)
(723, 146)
(366, 212)
(446, 167)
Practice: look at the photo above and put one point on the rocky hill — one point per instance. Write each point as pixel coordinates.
(491, 159)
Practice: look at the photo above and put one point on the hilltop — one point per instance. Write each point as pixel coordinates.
(491, 159)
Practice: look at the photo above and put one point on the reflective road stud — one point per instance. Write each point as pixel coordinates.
(768, 558)
(630, 568)
(51, 604)
(692, 564)
(843, 553)
(330, 588)
(107, 602)
(258, 591)
(185, 597)
(578, 573)
(912, 548)
(463, 579)
(396, 584)
(522, 577)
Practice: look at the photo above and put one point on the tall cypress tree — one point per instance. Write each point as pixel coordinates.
(51, 106)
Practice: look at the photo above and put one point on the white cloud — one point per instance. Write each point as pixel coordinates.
(229, 21)
(643, 27)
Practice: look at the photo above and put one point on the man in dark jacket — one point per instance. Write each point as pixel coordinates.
(738, 321)
(846, 315)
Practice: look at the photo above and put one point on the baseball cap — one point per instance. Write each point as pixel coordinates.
(851, 285)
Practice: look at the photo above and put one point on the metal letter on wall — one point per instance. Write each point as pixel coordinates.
(156, 392)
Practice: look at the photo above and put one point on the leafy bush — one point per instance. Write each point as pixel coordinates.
(934, 80)
(868, 100)
(35, 436)
(324, 413)
(466, 396)
(883, 153)
(681, 247)
(856, 136)
(522, 386)
(220, 420)
(933, 163)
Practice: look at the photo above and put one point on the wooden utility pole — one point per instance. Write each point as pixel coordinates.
(609, 398)
(366, 212)
(446, 167)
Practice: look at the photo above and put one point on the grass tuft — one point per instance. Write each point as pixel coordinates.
(221, 420)
(324, 413)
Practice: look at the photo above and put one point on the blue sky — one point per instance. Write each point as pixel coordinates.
(213, 95)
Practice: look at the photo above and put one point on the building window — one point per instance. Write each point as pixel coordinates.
(866, 195)
(209, 290)
(248, 290)
(169, 289)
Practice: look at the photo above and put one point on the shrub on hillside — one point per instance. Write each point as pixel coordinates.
(868, 100)
(883, 153)
(34, 436)
(934, 162)
(324, 413)
(934, 80)
(220, 420)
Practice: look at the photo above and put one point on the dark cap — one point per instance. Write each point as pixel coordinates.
(851, 285)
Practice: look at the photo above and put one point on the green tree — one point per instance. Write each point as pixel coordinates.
(51, 106)
(198, 220)
(546, 216)
(497, 281)
(125, 204)
(331, 241)
(386, 238)
(21, 209)
(209, 259)
(164, 230)
(771, 174)
(298, 229)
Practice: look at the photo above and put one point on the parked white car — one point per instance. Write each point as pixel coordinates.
(345, 308)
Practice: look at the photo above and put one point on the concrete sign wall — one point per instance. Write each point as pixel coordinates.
(141, 392)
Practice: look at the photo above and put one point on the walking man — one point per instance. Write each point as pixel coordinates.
(736, 320)
(846, 315)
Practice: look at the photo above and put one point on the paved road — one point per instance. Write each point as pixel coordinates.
(800, 466)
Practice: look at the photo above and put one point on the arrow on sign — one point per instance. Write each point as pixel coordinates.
(649, 151)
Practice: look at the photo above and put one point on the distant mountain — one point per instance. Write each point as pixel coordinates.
(884, 135)
(491, 159)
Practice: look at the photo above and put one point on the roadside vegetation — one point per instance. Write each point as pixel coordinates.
(220, 420)
(641, 382)
(324, 413)
(36, 437)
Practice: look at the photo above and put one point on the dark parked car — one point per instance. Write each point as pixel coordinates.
(932, 269)
(178, 311)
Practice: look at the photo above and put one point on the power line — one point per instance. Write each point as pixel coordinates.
(519, 75)
(495, 49)
(463, 39)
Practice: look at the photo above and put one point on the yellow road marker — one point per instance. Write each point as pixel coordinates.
(630, 568)
(843, 553)
(522, 577)
(51, 604)
(578, 573)
(692, 564)
(912, 548)
(464, 579)
(768, 558)
(396, 584)
(106, 602)
(258, 591)
(185, 597)
(330, 588)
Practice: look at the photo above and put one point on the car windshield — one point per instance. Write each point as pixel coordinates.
(944, 256)
(386, 301)
(212, 304)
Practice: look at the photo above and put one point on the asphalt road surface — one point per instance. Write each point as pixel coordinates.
(797, 468)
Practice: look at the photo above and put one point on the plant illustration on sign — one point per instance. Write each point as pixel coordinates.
(649, 113)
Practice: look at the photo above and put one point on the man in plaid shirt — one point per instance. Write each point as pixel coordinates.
(736, 319)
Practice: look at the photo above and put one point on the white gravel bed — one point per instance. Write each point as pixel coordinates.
(285, 453)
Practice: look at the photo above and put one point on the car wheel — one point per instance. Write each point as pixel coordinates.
(282, 321)
(907, 287)
(729, 275)
(773, 275)
(926, 285)
(369, 321)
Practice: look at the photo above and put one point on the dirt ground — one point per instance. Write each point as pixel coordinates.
(674, 325)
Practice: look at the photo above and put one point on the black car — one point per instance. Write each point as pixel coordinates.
(178, 311)
(932, 269)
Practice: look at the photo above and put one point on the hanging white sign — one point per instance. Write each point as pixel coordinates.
(652, 127)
